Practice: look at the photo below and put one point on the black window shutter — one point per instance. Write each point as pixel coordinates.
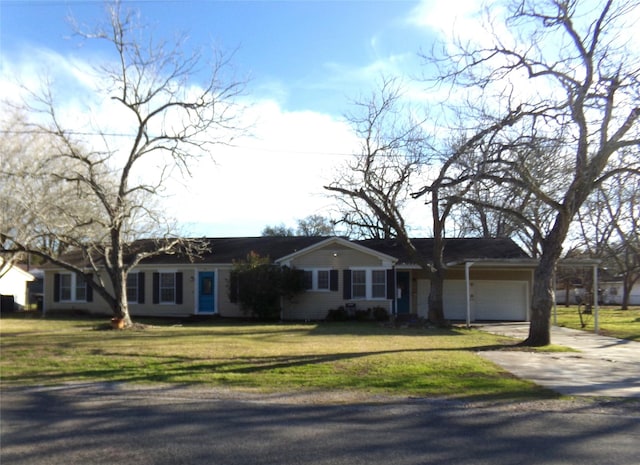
(346, 283)
(141, 287)
(89, 279)
(56, 287)
(391, 284)
(233, 287)
(333, 280)
(156, 288)
(179, 287)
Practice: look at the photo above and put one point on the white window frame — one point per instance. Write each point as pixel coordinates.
(315, 279)
(358, 295)
(384, 284)
(368, 283)
(75, 283)
(161, 287)
(133, 275)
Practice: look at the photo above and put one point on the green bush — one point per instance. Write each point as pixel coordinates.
(258, 286)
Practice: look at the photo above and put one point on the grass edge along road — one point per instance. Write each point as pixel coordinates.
(358, 357)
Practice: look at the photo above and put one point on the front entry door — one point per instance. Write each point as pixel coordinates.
(206, 292)
(403, 279)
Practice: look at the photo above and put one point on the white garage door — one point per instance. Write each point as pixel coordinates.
(500, 300)
(490, 300)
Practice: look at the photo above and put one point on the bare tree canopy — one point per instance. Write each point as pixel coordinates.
(610, 229)
(96, 191)
(568, 75)
(312, 225)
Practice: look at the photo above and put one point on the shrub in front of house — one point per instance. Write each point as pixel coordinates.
(338, 314)
(380, 314)
(259, 286)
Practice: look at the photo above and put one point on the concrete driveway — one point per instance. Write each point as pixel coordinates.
(602, 366)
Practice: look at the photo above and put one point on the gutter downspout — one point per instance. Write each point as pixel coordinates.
(468, 265)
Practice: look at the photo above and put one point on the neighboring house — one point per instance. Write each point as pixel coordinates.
(612, 292)
(488, 279)
(14, 284)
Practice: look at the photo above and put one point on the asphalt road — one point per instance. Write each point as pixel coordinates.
(115, 424)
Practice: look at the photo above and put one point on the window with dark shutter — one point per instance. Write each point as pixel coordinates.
(333, 278)
(141, 287)
(56, 287)
(179, 287)
(391, 284)
(346, 284)
(89, 288)
(156, 288)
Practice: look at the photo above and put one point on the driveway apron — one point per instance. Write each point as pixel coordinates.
(602, 366)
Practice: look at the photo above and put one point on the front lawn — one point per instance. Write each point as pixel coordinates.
(363, 357)
(623, 324)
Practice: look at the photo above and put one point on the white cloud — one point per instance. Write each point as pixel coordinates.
(458, 18)
(275, 175)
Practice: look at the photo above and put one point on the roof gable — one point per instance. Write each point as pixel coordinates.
(285, 260)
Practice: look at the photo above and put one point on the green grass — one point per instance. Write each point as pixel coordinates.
(362, 357)
(623, 324)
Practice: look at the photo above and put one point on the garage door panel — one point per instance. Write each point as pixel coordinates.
(500, 300)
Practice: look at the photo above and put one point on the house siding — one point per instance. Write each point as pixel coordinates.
(336, 255)
(315, 305)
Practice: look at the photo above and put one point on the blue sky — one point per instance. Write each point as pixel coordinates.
(306, 61)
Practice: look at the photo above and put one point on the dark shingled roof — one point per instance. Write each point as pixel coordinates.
(229, 249)
(455, 250)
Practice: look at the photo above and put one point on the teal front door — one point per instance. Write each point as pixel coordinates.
(206, 292)
(403, 296)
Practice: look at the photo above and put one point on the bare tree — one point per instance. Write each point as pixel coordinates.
(312, 225)
(570, 74)
(280, 230)
(376, 183)
(610, 229)
(174, 119)
(315, 225)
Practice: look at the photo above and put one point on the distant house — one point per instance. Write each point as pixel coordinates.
(612, 292)
(488, 279)
(14, 282)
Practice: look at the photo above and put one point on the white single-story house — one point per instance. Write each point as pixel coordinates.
(487, 279)
(14, 282)
(612, 292)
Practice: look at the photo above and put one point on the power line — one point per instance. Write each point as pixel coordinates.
(237, 146)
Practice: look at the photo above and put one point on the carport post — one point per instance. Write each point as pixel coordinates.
(555, 298)
(467, 265)
(595, 299)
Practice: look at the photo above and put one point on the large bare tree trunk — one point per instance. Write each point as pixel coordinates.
(436, 299)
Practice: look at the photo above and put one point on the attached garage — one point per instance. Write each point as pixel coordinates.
(490, 300)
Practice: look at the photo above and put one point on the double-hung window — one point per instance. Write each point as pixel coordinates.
(368, 283)
(378, 284)
(318, 279)
(359, 284)
(70, 287)
(167, 288)
(132, 287)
